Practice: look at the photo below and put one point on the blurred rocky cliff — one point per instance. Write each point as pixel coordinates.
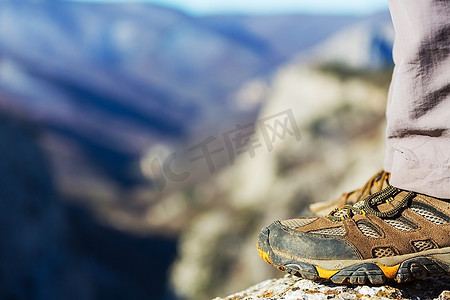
(337, 104)
(339, 112)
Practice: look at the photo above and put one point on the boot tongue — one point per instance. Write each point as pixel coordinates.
(385, 180)
(374, 185)
(380, 183)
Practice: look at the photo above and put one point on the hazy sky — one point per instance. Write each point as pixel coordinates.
(201, 7)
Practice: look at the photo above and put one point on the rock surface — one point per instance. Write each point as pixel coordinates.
(291, 288)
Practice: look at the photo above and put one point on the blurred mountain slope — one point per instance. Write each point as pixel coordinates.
(49, 250)
(111, 79)
(366, 44)
(285, 35)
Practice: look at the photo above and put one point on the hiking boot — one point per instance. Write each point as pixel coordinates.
(390, 235)
(375, 184)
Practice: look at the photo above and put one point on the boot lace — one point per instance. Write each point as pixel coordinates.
(368, 205)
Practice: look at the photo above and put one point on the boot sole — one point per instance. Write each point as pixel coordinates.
(400, 268)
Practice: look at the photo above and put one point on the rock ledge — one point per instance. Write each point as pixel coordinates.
(290, 288)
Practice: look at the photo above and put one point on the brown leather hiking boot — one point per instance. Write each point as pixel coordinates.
(391, 235)
(375, 184)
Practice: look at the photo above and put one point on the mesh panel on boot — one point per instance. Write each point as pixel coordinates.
(423, 245)
(296, 223)
(383, 252)
(401, 223)
(368, 230)
(330, 231)
(430, 214)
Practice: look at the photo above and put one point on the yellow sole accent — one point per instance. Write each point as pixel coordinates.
(264, 256)
(389, 272)
(326, 274)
